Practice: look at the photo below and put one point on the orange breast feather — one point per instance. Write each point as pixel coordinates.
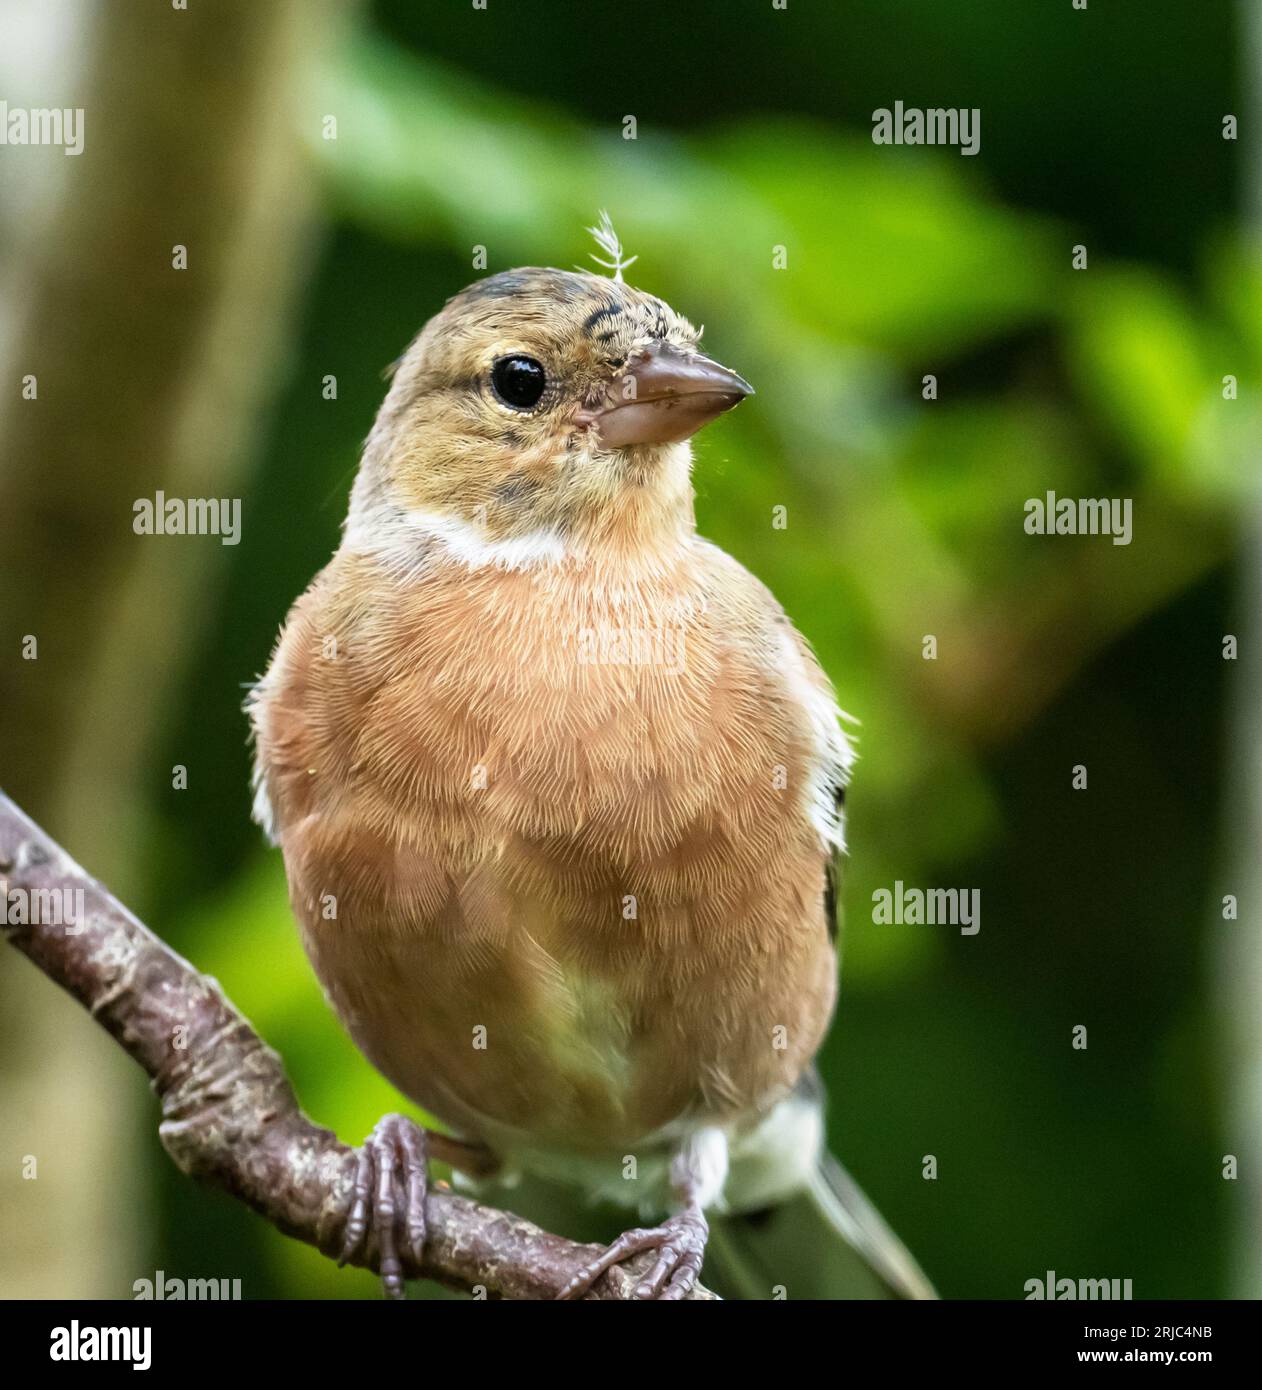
(554, 843)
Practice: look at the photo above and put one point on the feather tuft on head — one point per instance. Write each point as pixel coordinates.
(608, 241)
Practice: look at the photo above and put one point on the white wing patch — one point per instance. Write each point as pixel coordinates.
(833, 754)
(261, 812)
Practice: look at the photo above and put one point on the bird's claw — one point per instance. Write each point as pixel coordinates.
(680, 1242)
(393, 1161)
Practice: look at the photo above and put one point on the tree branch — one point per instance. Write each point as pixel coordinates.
(229, 1114)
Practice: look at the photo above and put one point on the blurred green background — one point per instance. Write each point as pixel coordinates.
(312, 257)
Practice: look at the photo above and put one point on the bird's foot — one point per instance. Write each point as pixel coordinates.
(393, 1165)
(680, 1242)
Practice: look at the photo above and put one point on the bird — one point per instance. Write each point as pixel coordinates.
(559, 791)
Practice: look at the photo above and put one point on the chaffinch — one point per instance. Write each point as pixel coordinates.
(559, 787)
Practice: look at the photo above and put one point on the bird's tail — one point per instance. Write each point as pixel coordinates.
(825, 1240)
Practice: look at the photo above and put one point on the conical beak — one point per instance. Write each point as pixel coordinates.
(663, 395)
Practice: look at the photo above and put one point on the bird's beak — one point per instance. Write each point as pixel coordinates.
(663, 395)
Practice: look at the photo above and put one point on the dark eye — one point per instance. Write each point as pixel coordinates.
(518, 381)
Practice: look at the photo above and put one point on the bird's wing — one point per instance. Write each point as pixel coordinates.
(835, 756)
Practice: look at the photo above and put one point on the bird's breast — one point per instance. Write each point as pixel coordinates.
(566, 828)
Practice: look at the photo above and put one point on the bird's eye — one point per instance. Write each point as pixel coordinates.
(519, 381)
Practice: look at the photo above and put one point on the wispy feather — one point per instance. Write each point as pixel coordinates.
(607, 240)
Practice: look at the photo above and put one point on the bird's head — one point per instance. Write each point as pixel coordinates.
(542, 411)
